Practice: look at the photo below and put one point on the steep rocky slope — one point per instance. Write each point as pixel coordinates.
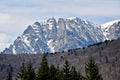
(54, 35)
(111, 29)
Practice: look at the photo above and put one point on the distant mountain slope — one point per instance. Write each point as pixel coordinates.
(56, 35)
(106, 55)
(111, 29)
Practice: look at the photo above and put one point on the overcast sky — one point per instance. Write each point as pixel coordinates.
(16, 15)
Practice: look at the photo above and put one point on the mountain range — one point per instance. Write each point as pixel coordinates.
(56, 35)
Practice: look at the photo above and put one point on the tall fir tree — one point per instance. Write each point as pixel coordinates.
(91, 69)
(53, 73)
(30, 74)
(66, 71)
(43, 71)
(59, 73)
(21, 75)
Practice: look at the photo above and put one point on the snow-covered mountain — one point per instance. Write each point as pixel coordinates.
(111, 29)
(54, 35)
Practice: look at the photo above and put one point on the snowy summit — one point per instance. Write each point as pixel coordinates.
(56, 35)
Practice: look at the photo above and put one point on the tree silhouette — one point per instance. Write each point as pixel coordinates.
(53, 73)
(30, 74)
(66, 71)
(21, 75)
(91, 69)
(43, 71)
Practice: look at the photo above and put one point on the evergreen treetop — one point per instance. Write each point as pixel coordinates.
(91, 69)
(43, 69)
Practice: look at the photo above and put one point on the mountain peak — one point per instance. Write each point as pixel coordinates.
(37, 23)
(56, 35)
(111, 29)
(110, 23)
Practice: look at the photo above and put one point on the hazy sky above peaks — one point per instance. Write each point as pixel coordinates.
(16, 15)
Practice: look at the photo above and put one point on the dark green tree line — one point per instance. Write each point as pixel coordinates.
(52, 73)
(26, 73)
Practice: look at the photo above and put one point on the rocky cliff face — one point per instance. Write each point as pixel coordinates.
(55, 35)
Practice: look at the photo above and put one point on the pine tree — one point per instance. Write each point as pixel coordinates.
(66, 71)
(53, 73)
(59, 73)
(21, 75)
(30, 74)
(91, 69)
(43, 70)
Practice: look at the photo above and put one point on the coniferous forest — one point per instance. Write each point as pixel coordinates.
(67, 72)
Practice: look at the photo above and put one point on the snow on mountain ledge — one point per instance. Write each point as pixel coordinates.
(111, 30)
(108, 24)
(57, 35)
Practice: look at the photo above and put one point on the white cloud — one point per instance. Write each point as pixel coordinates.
(12, 24)
(4, 18)
(77, 7)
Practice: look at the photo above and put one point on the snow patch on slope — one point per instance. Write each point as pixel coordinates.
(106, 28)
(50, 46)
(106, 25)
(14, 52)
(55, 36)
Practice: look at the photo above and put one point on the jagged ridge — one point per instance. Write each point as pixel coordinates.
(57, 35)
(111, 29)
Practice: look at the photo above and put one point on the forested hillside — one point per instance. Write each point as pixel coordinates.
(106, 55)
